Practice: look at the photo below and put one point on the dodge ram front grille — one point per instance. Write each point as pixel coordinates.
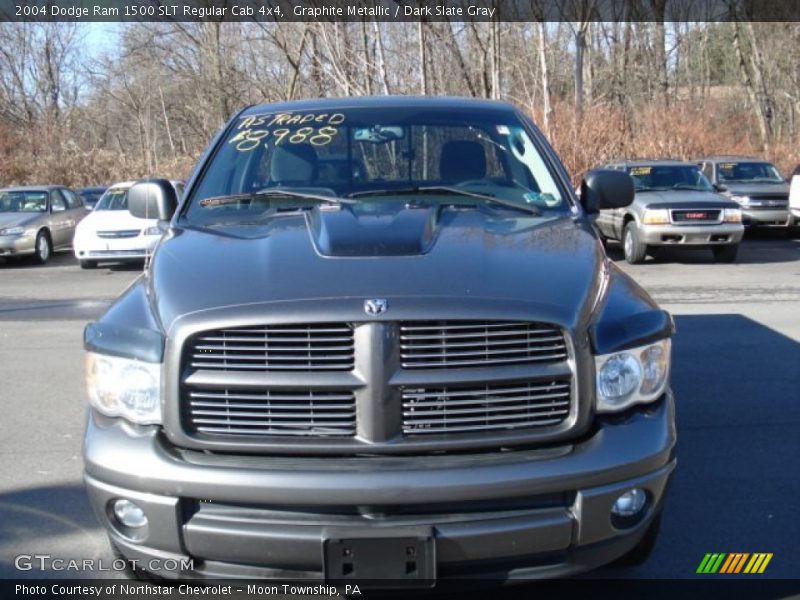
(271, 412)
(455, 344)
(306, 347)
(437, 410)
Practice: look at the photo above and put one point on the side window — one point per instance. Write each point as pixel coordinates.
(73, 201)
(57, 201)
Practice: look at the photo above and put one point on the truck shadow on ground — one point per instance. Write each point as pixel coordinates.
(50, 520)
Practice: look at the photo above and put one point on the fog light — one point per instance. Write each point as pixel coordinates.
(129, 514)
(630, 504)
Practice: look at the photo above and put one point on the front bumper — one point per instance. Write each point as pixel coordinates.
(115, 249)
(17, 245)
(691, 235)
(778, 217)
(522, 514)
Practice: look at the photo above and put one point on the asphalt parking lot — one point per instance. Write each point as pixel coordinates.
(736, 375)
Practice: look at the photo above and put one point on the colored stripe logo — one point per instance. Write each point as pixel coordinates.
(734, 563)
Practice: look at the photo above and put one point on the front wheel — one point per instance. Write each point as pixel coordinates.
(635, 250)
(726, 254)
(43, 248)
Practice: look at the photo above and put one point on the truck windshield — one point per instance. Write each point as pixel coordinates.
(749, 171)
(668, 177)
(371, 155)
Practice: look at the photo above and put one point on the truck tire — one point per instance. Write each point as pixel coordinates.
(635, 250)
(725, 254)
(43, 248)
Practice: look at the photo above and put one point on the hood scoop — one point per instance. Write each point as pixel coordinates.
(353, 232)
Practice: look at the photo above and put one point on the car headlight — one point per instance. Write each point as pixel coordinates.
(743, 200)
(632, 376)
(656, 216)
(122, 387)
(731, 215)
(12, 231)
(155, 230)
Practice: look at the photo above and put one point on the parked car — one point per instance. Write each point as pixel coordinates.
(111, 233)
(432, 368)
(675, 206)
(756, 185)
(38, 220)
(91, 195)
(794, 196)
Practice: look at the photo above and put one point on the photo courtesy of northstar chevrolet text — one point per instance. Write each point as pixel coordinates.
(306, 298)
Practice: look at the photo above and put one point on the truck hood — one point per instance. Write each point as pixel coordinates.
(17, 219)
(550, 266)
(680, 198)
(757, 189)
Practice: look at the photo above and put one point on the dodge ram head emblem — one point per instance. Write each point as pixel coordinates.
(375, 306)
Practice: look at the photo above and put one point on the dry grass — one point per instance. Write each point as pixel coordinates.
(683, 131)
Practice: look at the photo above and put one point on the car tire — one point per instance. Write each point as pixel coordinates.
(635, 250)
(639, 554)
(43, 249)
(726, 254)
(88, 264)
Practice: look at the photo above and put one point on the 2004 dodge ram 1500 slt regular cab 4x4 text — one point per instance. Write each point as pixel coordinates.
(380, 339)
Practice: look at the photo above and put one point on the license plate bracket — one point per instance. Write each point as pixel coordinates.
(397, 559)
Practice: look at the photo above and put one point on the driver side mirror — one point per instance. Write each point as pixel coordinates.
(606, 188)
(152, 199)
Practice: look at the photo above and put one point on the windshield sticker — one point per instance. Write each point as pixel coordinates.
(639, 171)
(727, 166)
(316, 129)
(249, 139)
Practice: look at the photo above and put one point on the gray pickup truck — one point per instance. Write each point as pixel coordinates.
(380, 340)
(755, 184)
(675, 207)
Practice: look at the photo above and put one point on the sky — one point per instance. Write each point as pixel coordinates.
(101, 36)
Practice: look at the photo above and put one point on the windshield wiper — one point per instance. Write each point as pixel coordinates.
(272, 193)
(443, 189)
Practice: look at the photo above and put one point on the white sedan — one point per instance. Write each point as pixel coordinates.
(111, 233)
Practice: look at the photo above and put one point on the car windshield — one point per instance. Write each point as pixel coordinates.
(116, 199)
(366, 156)
(749, 171)
(91, 197)
(668, 177)
(23, 201)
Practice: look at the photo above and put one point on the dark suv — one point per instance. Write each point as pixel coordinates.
(380, 340)
(753, 183)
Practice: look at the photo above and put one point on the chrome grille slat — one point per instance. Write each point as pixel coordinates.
(307, 412)
(453, 344)
(307, 347)
(454, 409)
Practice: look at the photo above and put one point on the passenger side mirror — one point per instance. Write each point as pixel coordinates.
(152, 199)
(605, 188)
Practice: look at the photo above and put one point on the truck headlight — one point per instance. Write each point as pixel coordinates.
(632, 376)
(743, 200)
(12, 231)
(655, 216)
(122, 387)
(731, 215)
